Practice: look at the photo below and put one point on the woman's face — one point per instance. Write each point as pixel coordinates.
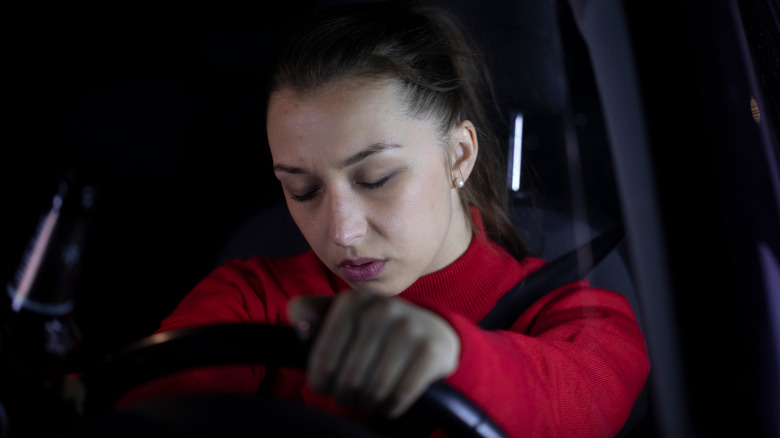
(370, 186)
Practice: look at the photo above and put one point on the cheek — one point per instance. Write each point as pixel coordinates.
(434, 190)
(307, 223)
(423, 208)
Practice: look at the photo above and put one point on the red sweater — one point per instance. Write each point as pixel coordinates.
(572, 365)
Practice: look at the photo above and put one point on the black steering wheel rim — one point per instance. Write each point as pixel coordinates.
(272, 345)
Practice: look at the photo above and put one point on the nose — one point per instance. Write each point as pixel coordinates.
(347, 223)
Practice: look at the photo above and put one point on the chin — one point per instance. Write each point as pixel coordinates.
(377, 287)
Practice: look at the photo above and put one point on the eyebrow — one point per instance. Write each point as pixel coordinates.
(351, 161)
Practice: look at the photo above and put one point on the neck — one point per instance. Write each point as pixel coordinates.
(458, 236)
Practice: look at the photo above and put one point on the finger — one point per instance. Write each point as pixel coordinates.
(306, 314)
(396, 356)
(332, 341)
(434, 351)
(375, 324)
(416, 378)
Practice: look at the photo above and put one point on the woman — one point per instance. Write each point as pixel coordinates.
(380, 141)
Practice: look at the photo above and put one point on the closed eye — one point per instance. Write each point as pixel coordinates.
(377, 184)
(304, 197)
(369, 186)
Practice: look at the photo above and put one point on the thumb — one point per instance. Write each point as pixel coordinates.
(307, 313)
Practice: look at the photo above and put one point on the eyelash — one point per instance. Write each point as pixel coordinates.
(369, 186)
(305, 197)
(377, 184)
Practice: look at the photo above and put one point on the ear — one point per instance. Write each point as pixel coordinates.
(464, 144)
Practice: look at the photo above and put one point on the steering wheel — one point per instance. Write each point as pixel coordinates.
(274, 345)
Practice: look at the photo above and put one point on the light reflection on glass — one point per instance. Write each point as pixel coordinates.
(517, 153)
(36, 255)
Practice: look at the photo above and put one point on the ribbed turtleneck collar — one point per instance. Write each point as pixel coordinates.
(471, 284)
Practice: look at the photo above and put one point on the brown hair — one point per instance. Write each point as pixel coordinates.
(430, 54)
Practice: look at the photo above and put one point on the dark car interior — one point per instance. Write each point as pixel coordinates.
(660, 120)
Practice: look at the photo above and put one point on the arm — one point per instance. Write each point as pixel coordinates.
(572, 365)
(225, 296)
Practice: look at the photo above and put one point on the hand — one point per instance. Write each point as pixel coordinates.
(378, 352)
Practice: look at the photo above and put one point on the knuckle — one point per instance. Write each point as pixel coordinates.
(378, 309)
(428, 354)
(407, 328)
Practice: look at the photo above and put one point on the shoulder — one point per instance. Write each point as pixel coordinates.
(256, 290)
(530, 264)
(577, 300)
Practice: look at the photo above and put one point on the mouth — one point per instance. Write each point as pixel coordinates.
(361, 269)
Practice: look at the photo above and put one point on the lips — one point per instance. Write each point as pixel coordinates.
(361, 269)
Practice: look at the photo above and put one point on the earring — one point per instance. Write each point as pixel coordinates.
(459, 183)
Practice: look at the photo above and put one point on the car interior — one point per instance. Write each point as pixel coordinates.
(659, 122)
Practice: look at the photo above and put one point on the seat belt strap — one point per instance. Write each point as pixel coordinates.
(549, 277)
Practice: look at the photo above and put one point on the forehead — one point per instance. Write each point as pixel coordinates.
(346, 114)
(348, 97)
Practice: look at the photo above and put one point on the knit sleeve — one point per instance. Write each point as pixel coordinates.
(572, 365)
